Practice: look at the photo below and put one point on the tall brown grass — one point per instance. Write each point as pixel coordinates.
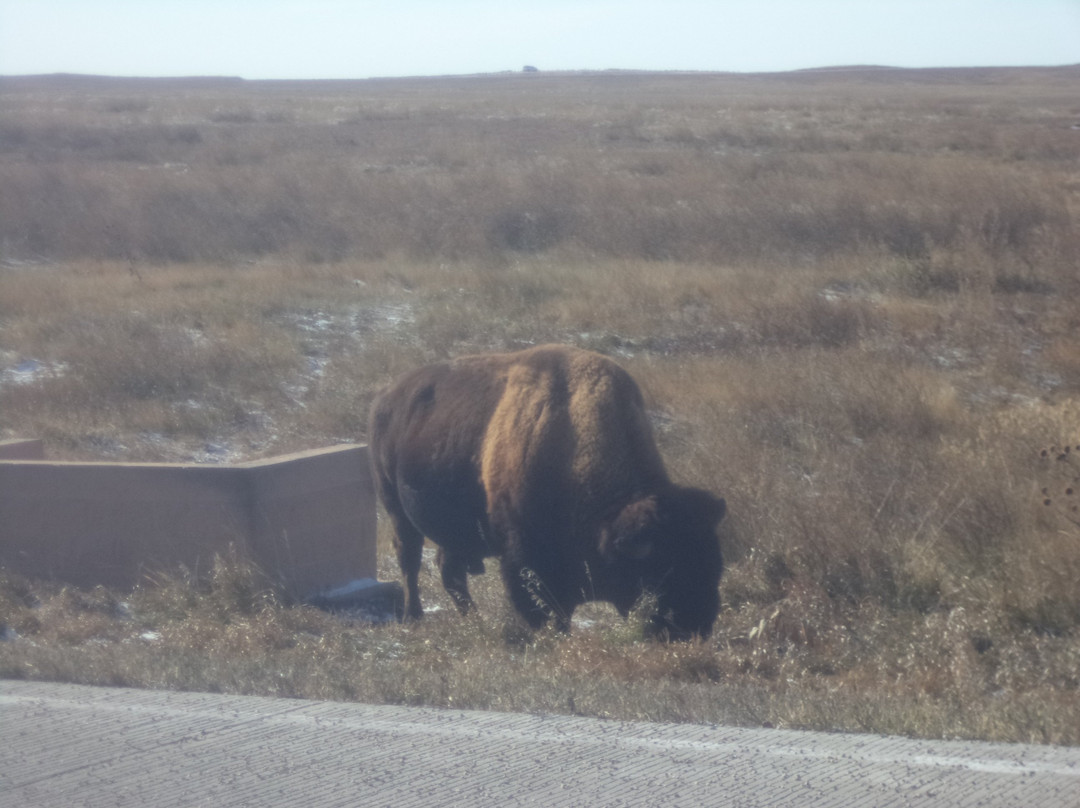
(851, 298)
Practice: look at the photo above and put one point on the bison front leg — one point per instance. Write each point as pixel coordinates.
(454, 569)
(535, 598)
(521, 586)
(529, 573)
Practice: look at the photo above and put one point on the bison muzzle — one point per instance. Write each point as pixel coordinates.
(544, 458)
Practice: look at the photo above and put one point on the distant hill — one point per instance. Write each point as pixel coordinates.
(87, 81)
(868, 73)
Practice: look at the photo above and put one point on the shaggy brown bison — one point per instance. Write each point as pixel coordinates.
(544, 458)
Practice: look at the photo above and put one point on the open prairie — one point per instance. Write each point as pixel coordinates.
(852, 296)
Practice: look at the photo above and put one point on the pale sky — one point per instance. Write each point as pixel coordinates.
(259, 39)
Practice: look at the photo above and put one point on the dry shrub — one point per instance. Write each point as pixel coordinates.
(438, 181)
(865, 478)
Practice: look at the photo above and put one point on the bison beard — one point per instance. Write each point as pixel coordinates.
(544, 458)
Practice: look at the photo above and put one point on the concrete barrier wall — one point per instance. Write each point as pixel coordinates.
(313, 517)
(22, 450)
(307, 519)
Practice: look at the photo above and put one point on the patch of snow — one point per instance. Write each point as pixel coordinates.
(396, 314)
(351, 588)
(216, 453)
(364, 599)
(169, 450)
(317, 365)
(318, 324)
(28, 371)
(952, 358)
(326, 334)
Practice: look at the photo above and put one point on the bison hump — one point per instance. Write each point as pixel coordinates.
(570, 425)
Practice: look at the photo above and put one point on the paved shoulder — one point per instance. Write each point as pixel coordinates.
(66, 745)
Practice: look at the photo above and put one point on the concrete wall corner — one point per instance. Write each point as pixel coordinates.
(22, 449)
(307, 520)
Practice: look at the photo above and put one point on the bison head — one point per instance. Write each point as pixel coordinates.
(666, 544)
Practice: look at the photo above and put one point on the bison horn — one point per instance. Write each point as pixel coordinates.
(633, 531)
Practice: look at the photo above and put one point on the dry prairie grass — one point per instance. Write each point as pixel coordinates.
(852, 299)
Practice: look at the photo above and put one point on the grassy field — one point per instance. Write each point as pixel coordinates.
(853, 298)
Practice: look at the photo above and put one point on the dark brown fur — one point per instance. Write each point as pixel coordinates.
(544, 458)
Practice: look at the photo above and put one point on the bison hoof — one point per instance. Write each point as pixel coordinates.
(464, 606)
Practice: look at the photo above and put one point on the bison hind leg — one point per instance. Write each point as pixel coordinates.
(455, 570)
(410, 554)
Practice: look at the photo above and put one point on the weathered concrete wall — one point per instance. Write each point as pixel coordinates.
(22, 449)
(313, 517)
(307, 519)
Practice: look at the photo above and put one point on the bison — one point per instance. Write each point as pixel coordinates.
(544, 458)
